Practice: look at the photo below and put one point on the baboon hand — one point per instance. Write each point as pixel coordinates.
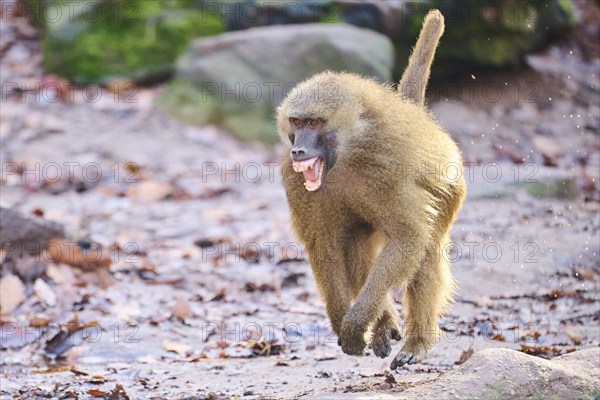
(352, 337)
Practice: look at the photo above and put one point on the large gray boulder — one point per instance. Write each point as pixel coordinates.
(509, 374)
(235, 80)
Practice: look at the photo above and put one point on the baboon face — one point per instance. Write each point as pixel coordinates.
(313, 150)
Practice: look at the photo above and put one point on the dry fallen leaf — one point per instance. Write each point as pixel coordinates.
(576, 337)
(541, 351)
(78, 372)
(60, 273)
(201, 357)
(265, 348)
(591, 206)
(39, 322)
(147, 359)
(71, 334)
(127, 311)
(181, 309)
(96, 393)
(118, 393)
(78, 254)
(217, 213)
(465, 356)
(221, 294)
(96, 379)
(549, 149)
(175, 347)
(159, 317)
(499, 338)
(52, 370)
(12, 293)
(249, 254)
(251, 287)
(584, 274)
(389, 378)
(291, 280)
(150, 191)
(44, 292)
(510, 151)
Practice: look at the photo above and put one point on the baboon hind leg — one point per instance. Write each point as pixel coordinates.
(427, 295)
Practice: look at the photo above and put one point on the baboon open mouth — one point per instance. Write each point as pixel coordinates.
(313, 170)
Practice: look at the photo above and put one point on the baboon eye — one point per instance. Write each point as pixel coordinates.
(296, 122)
(313, 123)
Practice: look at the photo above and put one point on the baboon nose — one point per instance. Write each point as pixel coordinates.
(298, 151)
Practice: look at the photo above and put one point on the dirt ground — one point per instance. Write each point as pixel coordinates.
(208, 295)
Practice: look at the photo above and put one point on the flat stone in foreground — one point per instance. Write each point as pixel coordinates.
(504, 374)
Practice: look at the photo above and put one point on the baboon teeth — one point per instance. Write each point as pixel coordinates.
(314, 184)
(301, 166)
(313, 172)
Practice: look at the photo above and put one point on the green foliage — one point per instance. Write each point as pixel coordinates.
(124, 39)
(332, 16)
(490, 34)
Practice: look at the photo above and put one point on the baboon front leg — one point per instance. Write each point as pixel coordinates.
(359, 257)
(361, 251)
(427, 294)
(393, 266)
(327, 262)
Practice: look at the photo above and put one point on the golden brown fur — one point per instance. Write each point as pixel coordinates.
(382, 217)
(415, 77)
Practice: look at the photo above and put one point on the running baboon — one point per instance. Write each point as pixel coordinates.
(374, 185)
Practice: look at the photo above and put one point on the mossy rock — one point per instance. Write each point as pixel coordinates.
(190, 103)
(100, 40)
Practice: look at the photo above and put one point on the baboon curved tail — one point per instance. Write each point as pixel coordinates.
(414, 80)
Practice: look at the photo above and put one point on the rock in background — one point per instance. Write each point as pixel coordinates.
(26, 234)
(236, 79)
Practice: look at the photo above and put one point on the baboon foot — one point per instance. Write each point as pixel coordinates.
(383, 333)
(408, 355)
